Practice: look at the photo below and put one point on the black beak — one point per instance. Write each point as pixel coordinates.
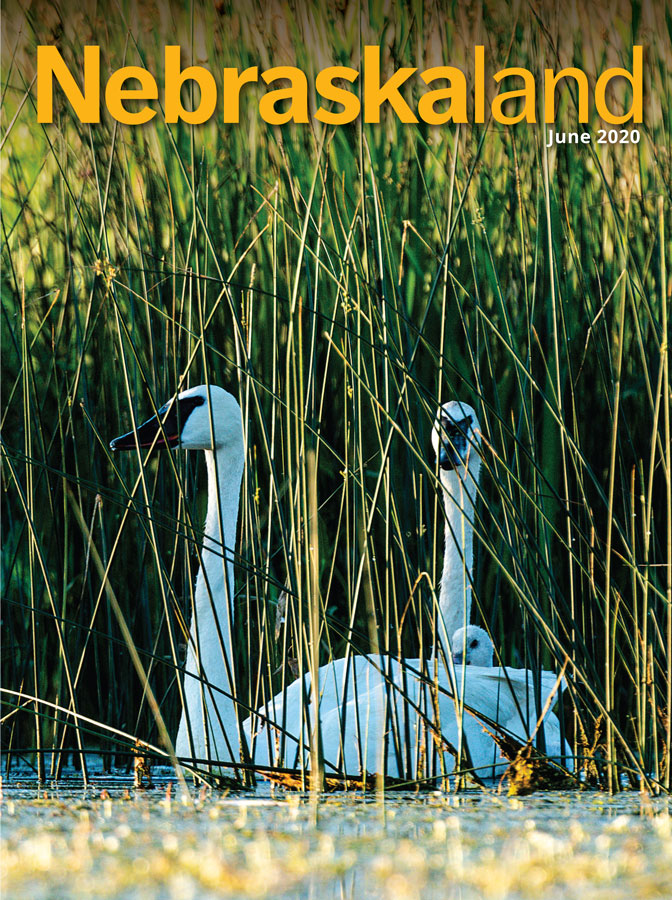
(449, 458)
(149, 433)
(453, 443)
(457, 658)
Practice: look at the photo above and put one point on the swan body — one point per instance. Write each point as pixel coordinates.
(473, 645)
(381, 719)
(383, 724)
(373, 710)
(207, 418)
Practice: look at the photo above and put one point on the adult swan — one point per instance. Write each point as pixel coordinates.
(207, 418)
(382, 714)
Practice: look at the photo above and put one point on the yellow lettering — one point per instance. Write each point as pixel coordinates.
(635, 79)
(233, 82)
(456, 94)
(375, 94)
(297, 93)
(326, 88)
(175, 77)
(550, 82)
(51, 64)
(528, 93)
(115, 94)
(479, 83)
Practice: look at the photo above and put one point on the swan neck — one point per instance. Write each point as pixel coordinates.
(212, 626)
(221, 522)
(210, 655)
(455, 592)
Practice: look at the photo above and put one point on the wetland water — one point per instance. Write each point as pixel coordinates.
(111, 841)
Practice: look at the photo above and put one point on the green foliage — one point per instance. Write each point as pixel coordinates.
(341, 283)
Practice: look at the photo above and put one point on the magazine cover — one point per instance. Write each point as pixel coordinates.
(336, 456)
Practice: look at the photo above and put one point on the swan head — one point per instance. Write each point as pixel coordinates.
(472, 647)
(202, 418)
(456, 438)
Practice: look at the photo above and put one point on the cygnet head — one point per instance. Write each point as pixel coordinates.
(187, 423)
(456, 438)
(472, 647)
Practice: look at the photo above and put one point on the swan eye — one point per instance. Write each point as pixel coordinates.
(473, 644)
(178, 410)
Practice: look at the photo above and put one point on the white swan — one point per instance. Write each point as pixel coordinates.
(380, 714)
(473, 646)
(384, 725)
(207, 418)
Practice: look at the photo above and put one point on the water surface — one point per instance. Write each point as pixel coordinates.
(111, 841)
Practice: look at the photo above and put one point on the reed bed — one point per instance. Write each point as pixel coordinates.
(341, 283)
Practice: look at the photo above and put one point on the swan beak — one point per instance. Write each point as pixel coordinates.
(457, 659)
(149, 434)
(449, 458)
(453, 445)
